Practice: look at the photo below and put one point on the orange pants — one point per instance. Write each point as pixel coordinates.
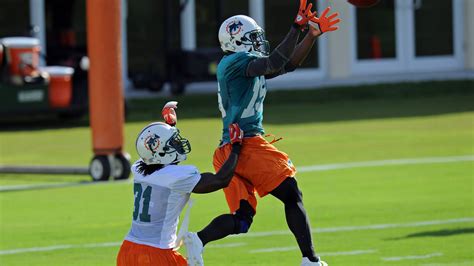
(261, 168)
(132, 254)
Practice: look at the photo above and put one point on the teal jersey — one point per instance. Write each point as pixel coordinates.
(240, 98)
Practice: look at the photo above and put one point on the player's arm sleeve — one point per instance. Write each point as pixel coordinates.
(187, 179)
(289, 67)
(278, 59)
(210, 182)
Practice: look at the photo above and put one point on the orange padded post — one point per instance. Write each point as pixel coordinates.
(105, 78)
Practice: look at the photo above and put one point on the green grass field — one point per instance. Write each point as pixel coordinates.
(403, 214)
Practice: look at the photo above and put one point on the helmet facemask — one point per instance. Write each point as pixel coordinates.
(256, 39)
(178, 144)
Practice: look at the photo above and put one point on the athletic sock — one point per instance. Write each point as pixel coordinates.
(299, 225)
(296, 217)
(220, 227)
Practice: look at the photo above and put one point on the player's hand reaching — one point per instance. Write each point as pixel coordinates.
(169, 113)
(325, 23)
(304, 14)
(211, 182)
(236, 134)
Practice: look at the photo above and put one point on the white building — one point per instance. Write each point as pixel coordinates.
(397, 40)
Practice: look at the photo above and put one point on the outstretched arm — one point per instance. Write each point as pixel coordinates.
(277, 59)
(317, 26)
(210, 182)
(284, 51)
(304, 47)
(301, 52)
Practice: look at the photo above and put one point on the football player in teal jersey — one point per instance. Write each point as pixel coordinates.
(262, 168)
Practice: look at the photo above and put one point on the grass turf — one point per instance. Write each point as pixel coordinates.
(379, 125)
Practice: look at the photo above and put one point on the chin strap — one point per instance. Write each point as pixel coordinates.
(176, 160)
(179, 158)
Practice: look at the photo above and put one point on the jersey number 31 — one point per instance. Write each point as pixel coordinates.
(140, 196)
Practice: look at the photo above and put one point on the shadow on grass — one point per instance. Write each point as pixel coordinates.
(438, 233)
(42, 186)
(303, 106)
(16, 182)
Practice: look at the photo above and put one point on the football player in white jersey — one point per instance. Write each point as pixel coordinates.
(162, 189)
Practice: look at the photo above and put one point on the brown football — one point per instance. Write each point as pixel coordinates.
(363, 3)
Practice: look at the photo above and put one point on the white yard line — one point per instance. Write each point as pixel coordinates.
(36, 249)
(363, 227)
(347, 253)
(414, 257)
(95, 245)
(406, 161)
(59, 185)
(98, 245)
(302, 169)
(463, 263)
(324, 254)
(228, 245)
(258, 234)
(266, 250)
(38, 186)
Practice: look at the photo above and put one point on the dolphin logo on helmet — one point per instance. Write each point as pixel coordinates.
(234, 27)
(152, 143)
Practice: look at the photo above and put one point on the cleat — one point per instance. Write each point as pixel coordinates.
(307, 262)
(194, 249)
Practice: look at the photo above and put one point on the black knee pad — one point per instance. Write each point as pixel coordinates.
(243, 217)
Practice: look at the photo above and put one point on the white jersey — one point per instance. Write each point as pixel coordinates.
(159, 200)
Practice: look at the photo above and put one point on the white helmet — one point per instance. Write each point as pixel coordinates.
(242, 34)
(160, 143)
